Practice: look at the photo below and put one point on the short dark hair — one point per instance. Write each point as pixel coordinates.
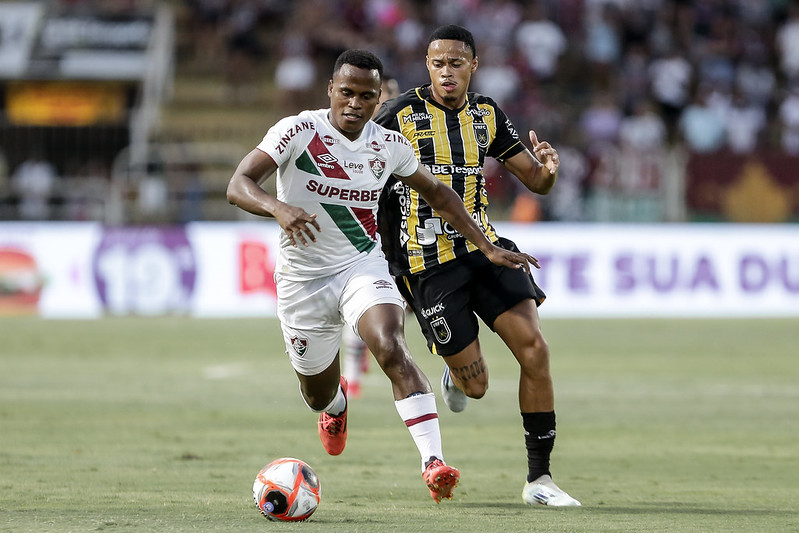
(361, 59)
(453, 32)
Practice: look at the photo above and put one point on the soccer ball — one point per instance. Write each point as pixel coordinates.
(287, 489)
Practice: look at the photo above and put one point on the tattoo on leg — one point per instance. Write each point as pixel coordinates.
(471, 371)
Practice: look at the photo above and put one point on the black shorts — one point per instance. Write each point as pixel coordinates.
(446, 299)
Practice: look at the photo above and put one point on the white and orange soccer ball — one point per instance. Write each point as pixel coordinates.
(287, 489)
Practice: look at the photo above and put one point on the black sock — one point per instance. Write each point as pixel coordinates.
(539, 438)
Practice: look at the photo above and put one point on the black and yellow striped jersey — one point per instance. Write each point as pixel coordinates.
(453, 145)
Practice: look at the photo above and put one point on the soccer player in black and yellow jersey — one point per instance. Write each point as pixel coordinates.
(446, 280)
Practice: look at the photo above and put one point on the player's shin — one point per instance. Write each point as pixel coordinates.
(419, 413)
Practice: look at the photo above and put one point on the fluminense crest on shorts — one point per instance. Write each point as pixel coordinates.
(299, 345)
(377, 166)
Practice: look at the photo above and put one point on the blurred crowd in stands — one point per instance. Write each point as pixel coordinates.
(623, 88)
(617, 85)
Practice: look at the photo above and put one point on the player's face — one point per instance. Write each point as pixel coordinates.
(450, 64)
(354, 93)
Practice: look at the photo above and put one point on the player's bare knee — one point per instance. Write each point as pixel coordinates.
(472, 379)
(387, 349)
(475, 389)
(535, 364)
(536, 352)
(538, 343)
(396, 362)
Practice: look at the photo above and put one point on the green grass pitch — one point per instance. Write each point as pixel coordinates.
(160, 425)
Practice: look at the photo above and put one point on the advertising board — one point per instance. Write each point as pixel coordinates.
(84, 270)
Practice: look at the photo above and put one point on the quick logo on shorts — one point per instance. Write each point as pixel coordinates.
(356, 223)
(299, 345)
(316, 159)
(430, 311)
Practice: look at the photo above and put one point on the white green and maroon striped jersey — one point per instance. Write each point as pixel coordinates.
(340, 181)
(453, 145)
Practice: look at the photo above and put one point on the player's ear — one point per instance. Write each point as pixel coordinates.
(474, 64)
(330, 89)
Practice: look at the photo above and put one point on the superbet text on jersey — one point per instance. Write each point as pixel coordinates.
(339, 180)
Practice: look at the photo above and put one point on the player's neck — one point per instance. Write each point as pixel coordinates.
(449, 103)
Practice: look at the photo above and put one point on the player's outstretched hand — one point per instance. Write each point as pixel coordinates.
(544, 152)
(296, 222)
(502, 257)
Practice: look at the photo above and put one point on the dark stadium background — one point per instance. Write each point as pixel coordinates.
(143, 107)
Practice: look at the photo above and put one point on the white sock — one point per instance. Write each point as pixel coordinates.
(335, 407)
(420, 415)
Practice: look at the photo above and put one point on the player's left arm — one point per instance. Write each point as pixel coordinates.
(538, 171)
(446, 202)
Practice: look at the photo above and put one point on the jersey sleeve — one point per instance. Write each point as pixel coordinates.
(506, 143)
(280, 139)
(405, 162)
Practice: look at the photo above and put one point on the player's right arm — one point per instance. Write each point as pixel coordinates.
(446, 202)
(244, 191)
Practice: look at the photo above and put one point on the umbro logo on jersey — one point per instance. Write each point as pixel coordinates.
(326, 161)
(326, 158)
(382, 284)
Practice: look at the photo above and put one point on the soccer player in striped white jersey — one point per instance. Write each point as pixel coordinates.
(445, 280)
(331, 167)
